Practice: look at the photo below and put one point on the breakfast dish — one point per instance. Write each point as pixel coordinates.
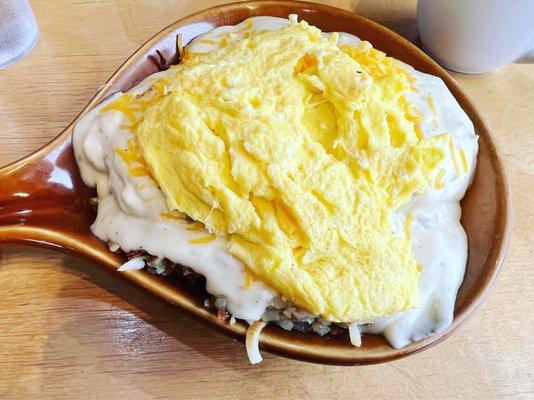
(312, 181)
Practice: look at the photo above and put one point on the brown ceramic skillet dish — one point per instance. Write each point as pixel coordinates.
(44, 202)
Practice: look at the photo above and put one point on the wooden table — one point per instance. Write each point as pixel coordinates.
(69, 330)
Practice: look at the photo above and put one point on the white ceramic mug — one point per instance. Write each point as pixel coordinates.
(476, 36)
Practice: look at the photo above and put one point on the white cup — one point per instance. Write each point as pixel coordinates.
(476, 36)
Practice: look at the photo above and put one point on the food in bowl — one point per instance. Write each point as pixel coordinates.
(313, 181)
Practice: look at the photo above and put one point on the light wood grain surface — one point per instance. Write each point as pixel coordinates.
(69, 330)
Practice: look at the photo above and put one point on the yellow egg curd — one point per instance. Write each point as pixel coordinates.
(297, 151)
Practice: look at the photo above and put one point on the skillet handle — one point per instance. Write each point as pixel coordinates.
(42, 197)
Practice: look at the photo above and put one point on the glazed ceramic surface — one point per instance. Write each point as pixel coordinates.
(43, 200)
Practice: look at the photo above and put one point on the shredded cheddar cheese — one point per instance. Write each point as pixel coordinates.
(306, 62)
(172, 215)
(249, 278)
(407, 225)
(419, 132)
(465, 163)
(202, 240)
(196, 226)
(431, 105)
(439, 179)
(453, 157)
(138, 171)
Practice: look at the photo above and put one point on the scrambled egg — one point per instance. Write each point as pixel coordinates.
(296, 150)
